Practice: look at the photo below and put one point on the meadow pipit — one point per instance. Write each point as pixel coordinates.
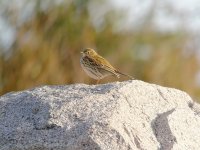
(96, 66)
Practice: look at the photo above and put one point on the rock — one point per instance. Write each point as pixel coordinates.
(115, 116)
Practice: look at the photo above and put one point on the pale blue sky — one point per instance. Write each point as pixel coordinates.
(169, 15)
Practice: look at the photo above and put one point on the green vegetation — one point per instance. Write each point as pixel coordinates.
(47, 51)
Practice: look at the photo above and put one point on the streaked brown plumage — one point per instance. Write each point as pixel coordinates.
(96, 66)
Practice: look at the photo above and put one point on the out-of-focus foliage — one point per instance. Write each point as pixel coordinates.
(47, 51)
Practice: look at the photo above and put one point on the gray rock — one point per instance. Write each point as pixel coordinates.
(116, 116)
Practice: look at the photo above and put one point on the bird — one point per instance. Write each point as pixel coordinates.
(98, 67)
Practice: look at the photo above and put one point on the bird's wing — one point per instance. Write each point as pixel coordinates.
(104, 64)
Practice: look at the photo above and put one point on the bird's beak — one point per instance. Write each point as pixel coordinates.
(81, 52)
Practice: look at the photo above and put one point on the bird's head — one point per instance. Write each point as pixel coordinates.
(88, 52)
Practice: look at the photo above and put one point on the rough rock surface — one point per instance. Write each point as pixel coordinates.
(116, 116)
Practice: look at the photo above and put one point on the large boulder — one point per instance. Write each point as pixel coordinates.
(115, 116)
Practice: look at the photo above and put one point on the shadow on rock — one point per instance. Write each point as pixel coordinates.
(162, 130)
(25, 124)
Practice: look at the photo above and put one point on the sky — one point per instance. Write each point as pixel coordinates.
(169, 15)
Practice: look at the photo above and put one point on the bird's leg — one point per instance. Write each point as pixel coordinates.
(97, 81)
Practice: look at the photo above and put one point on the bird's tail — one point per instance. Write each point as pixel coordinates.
(124, 74)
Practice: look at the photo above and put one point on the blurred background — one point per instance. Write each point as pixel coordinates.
(154, 41)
